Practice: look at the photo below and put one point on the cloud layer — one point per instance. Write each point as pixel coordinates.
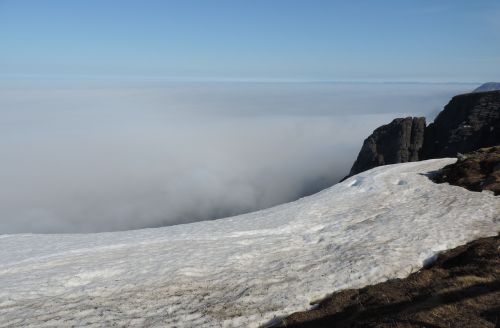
(102, 157)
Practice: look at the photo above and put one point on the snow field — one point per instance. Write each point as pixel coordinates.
(243, 271)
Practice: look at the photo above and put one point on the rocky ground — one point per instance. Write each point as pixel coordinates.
(475, 171)
(461, 289)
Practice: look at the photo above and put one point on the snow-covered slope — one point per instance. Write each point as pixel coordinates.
(245, 270)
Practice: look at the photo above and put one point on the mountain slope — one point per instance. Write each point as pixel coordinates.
(245, 270)
(489, 86)
(461, 289)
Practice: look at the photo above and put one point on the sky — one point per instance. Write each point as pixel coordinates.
(386, 40)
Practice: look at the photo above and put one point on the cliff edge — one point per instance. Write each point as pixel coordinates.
(467, 123)
(397, 142)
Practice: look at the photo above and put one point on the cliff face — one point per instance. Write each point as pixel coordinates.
(397, 142)
(469, 122)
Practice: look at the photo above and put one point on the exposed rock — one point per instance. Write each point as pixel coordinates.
(475, 171)
(460, 289)
(490, 86)
(469, 122)
(397, 142)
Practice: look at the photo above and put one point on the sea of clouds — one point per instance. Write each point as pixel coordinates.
(105, 156)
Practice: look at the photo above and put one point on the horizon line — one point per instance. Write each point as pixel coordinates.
(215, 79)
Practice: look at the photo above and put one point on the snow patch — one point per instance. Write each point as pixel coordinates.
(87, 277)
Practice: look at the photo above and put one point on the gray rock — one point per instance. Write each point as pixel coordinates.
(469, 122)
(397, 142)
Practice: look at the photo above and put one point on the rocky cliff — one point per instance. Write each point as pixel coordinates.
(397, 142)
(469, 122)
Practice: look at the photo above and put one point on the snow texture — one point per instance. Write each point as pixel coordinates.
(243, 271)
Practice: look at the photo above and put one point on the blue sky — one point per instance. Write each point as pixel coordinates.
(425, 40)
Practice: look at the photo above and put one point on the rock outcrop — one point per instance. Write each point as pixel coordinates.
(475, 171)
(397, 142)
(469, 122)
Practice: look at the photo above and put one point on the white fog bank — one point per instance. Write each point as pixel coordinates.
(89, 157)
